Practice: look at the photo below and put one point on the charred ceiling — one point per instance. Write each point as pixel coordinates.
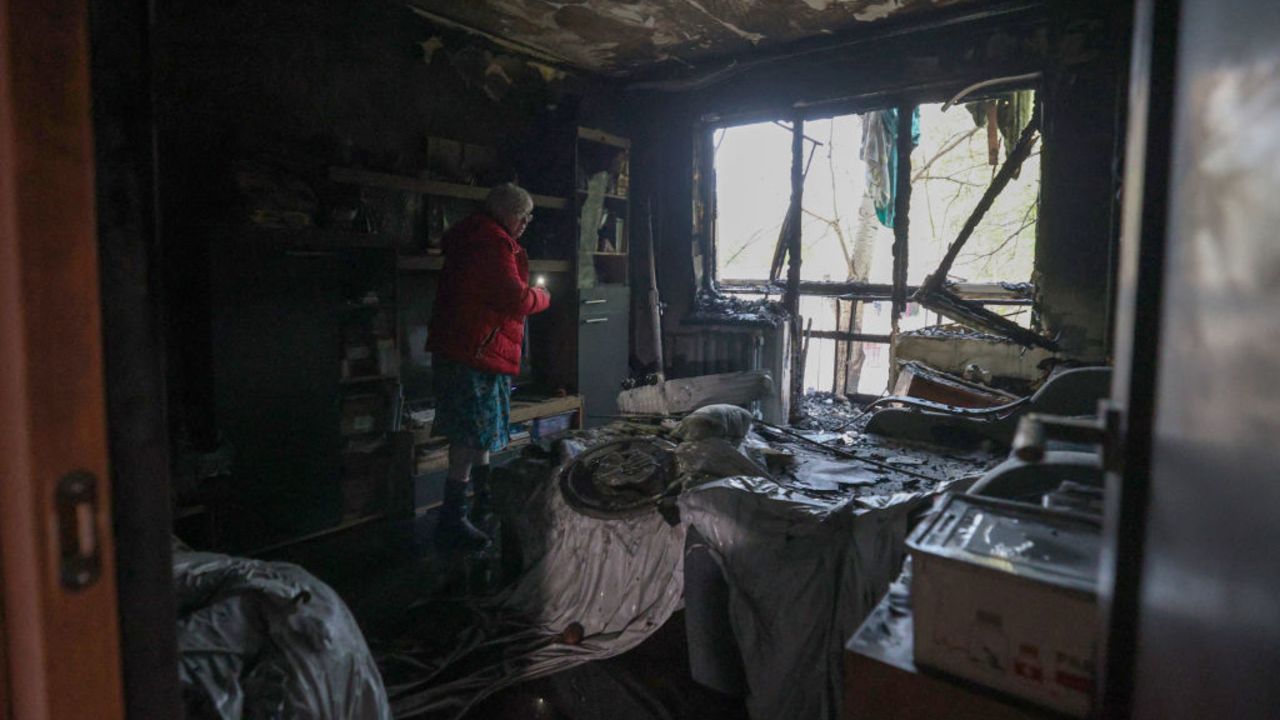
(622, 36)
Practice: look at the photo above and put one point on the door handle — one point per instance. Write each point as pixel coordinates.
(592, 321)
(598, 301)
(79, 547)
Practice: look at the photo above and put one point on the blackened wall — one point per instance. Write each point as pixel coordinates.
(1081, 49)
(1086, 95)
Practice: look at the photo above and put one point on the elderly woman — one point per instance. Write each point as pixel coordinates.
(475, 335)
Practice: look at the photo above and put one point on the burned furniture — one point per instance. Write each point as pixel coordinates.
(782, 564)
(1069, 392)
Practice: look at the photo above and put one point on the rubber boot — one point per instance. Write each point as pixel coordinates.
(481, 496)
(454, 530)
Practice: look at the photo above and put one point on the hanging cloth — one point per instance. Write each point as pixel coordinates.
(1013, 112)
(880, 153)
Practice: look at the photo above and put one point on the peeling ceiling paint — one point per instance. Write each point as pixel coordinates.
(878, 11)
(621, 36)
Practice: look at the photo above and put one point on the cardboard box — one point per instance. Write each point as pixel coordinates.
(1005, 595)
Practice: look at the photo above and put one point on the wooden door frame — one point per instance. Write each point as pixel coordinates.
(138, 439)
(63, 645)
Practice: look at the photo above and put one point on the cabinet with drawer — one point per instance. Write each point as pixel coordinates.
(603, 321)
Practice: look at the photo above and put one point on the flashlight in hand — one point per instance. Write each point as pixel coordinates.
(540, 281)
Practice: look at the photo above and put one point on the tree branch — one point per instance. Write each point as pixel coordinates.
(924, 168)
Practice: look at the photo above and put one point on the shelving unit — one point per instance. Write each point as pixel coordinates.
(320, 448)
(602, 175)
(602, 214)
(289, 303)
(369, 394)
(436, 459)
(431, 263)
(425, 186)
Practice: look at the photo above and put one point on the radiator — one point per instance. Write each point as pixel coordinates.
(708, 351)
(711, 349)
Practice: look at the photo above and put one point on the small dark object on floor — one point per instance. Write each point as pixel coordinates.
(572, 634)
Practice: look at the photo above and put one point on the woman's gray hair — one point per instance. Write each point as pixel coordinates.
(508, 201)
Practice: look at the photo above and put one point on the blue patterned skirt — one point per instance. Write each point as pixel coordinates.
(473, 407)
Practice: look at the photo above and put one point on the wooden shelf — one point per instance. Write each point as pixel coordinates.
(428, 187)
(600, 136)
(428, 263)
(521, 411)
(526, 410)
(367, 379)
(308, 238)
(607, 196)
(438, 460)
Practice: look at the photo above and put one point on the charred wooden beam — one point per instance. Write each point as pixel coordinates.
(791, 298)
(901, 212)
(974, 315)
(794, 211)
(985, 293)
(847, 336)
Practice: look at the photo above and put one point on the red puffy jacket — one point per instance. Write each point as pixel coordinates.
(483, 298)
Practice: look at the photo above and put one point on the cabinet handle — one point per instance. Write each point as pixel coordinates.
(592, 321)
(599, 301)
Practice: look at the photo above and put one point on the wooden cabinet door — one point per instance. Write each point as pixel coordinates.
(59, 596)
(603, 349)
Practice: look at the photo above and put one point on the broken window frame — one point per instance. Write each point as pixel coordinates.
(899, 292)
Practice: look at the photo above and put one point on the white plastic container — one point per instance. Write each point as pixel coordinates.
(1005, 595)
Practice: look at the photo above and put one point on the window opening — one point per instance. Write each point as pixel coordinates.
(959, 153)
(847, 236)
(842, 238)
(753, 189)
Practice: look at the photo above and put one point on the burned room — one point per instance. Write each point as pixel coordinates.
(639, 359)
